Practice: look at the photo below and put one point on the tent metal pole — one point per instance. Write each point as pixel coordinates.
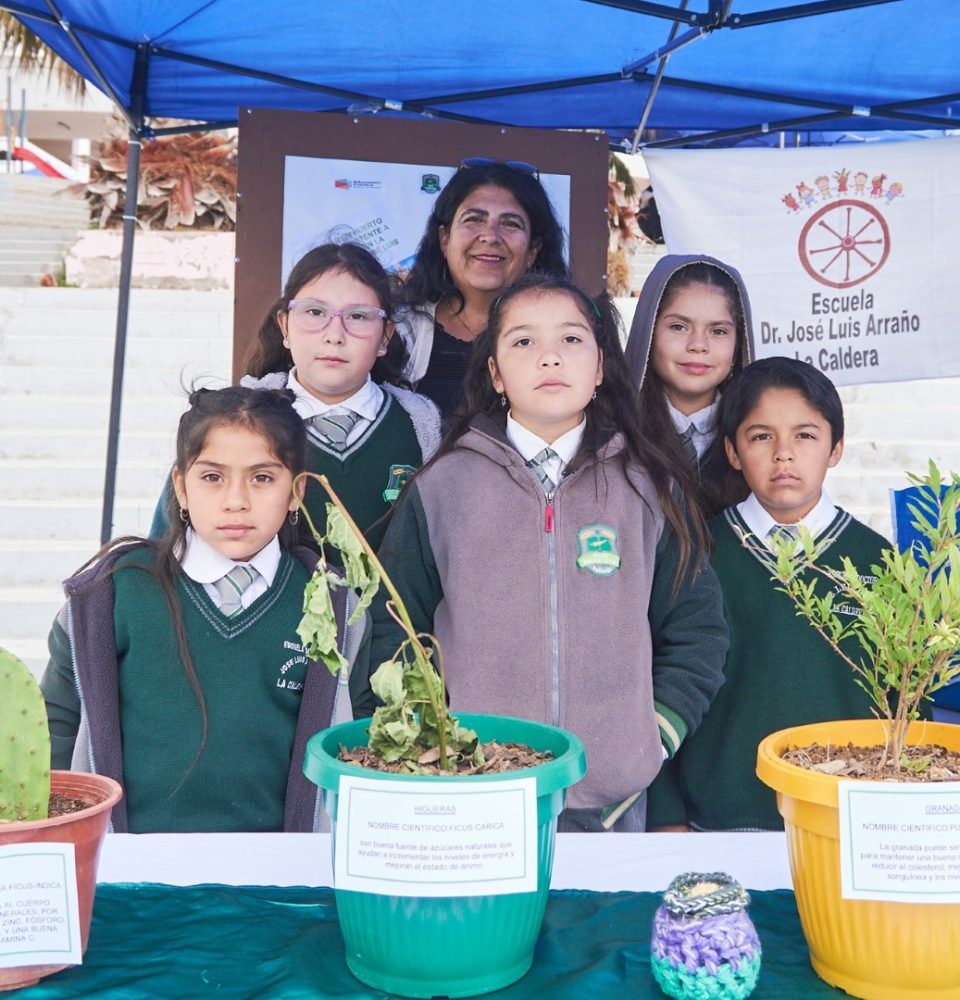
(138, 91)
(655, 86)
(102, 81)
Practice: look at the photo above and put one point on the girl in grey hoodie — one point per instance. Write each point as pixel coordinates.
(691, 332)
(545, 548)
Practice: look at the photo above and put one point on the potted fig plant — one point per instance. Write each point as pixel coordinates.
(466, 940)
(908, 626)
(27, 786)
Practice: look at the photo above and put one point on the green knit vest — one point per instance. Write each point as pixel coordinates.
(778, 673)
(250, 669)
(369, 474)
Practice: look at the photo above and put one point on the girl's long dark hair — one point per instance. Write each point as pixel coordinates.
(265, 411)
(712, 489)
(613, 411)
(268, 353)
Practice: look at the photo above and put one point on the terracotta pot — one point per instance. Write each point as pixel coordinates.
(874, 949)
(85, 830)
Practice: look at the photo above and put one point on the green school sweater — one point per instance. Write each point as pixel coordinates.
(367, 476)
(779, 672)
(250, 669)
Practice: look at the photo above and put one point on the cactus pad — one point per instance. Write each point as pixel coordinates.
(24, 743)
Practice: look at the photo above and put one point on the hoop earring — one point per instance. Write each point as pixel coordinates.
(503, 400)
(294, 517)
(184, 515)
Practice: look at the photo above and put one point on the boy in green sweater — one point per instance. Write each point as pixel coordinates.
(782, 426)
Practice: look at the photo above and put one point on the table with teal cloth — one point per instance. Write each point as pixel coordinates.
(222, 941)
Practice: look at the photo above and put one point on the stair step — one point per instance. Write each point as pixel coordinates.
(28, 612)
(140, 376)
(12, 232)
(69, 518)
(155, 446)
(33, 652)
(45, 479)
(34, 563)
(88, 413)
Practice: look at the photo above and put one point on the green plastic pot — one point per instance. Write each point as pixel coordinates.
(449, 946)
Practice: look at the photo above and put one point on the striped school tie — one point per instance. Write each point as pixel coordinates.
(783, 532)
(231, 587)
(334, 426)
(537, 464)
(689, 448)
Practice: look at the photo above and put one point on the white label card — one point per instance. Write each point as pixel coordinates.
(428, 838)
(39, 913)
(900, 842)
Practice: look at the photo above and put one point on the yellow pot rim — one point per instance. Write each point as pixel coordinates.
(811, 786)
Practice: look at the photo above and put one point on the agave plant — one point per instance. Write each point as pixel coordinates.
(186, 180)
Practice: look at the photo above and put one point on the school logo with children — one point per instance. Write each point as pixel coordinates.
(598, 549)
(846, 239)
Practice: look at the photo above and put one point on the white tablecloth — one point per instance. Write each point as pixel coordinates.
(638, 862)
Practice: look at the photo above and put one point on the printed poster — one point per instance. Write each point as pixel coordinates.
(382, 206)
(849, 252)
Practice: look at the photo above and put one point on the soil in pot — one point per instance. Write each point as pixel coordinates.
(922, 763)
(497, 759)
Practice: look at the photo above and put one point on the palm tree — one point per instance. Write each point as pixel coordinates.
(29, 54)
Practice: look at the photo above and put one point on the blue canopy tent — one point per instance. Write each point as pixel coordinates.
(736, 67)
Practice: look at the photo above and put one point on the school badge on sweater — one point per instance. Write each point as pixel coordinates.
(599, 549)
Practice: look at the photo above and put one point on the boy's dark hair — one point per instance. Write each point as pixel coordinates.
(429, 279)
(268, 353)
(613, 410)
(745, 389)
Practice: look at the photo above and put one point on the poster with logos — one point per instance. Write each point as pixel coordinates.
(848, 251)
(305, 178)
(382, 206)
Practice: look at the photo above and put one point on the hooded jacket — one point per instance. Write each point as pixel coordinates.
(83, 638)
(637, 351)
(415, 326)
(562, 612)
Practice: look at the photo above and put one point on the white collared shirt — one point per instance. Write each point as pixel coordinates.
(704, 424)
(529, 445)
(365, 402)
(203, 564)
(760, 522)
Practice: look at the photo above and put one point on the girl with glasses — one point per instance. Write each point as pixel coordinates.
(329, 338)
(491, 223)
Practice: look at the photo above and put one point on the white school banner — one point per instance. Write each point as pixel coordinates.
(849, 252)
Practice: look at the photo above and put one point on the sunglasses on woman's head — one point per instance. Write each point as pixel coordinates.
(518, 166)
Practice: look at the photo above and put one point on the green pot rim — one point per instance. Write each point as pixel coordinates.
(569, 765)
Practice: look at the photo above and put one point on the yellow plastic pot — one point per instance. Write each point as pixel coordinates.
(877, 950)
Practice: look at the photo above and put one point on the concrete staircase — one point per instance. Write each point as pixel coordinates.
(56, 356)
(39, 222)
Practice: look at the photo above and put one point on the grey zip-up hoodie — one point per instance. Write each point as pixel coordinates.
(563, 612)
(637, 351)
